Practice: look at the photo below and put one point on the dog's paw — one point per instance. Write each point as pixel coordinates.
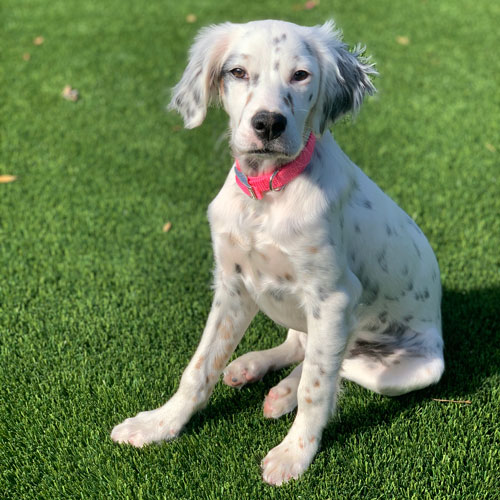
(280, 400)
(147, 427)
(248, 368)
(288, 460)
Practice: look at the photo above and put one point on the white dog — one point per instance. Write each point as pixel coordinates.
(300, 233)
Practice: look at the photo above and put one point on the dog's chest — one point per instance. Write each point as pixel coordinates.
(267, 271)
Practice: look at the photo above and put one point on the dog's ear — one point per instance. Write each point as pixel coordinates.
(345, 77)
(198, 85)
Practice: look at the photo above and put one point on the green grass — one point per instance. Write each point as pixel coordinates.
(100, 310)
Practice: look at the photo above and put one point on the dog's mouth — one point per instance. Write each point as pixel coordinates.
(263, 151)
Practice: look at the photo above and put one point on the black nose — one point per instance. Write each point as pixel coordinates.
(267, 125)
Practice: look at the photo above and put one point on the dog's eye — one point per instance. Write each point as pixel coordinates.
(300, 75)
(239, 73)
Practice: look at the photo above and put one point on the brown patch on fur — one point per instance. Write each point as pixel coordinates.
(312, 250)
(249, 98)
(316, 383)
(226, 329)
(301, 443)
(309, 400)
(221, 87)
(312, 439)
(219, 362)
(288, 277)
(199, 362)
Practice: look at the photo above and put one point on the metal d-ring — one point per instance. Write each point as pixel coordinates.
(271, 182)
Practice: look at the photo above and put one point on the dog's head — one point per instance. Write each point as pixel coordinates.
(276, 80)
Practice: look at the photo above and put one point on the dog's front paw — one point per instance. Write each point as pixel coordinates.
(288, 460)
(148, 427)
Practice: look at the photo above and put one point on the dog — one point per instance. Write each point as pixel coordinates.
(302, 234)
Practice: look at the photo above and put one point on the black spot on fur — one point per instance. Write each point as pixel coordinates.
(323, 293)
(367, 204)
(417, 250)
(357, 229)
(388, 230)
(375, 350)
(316, 313)
(383, 316)
(310, 97)
(382, 260)
(276, 66)
(391, 297)
(277, 294)
(370, 291)
(408, 318)
(395, 330)
(308, 48)
(237, 268)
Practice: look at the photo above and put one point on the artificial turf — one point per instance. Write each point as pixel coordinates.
(100, 309)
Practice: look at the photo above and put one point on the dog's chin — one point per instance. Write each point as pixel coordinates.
(268, 155)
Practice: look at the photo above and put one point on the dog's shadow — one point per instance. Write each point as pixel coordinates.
(470, 325)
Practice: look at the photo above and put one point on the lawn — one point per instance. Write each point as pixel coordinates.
(100, 308)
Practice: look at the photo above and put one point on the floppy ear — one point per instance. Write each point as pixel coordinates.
(198, 85)
(345, 77)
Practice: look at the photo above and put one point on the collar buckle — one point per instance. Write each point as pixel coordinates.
(271, 188)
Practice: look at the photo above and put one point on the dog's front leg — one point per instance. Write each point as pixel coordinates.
(231, 313)
(328, 328)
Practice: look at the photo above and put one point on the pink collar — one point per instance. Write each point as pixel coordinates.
(255, 187)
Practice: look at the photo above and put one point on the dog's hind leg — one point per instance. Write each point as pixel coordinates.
(254, 365)
(393, 366)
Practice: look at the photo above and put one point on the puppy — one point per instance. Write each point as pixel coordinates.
(300, 233)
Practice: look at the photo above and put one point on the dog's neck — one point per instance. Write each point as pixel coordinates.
(277, 178)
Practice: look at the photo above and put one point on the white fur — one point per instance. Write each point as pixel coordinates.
(331, 256)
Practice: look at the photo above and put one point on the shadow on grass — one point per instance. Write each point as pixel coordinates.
(470, 325)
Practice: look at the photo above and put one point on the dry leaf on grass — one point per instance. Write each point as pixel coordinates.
(26, 56)
(310, 4)
(167, 226)
(38, 40)
(70, 94)
(191, 18)
(403, 40)
(4, 179)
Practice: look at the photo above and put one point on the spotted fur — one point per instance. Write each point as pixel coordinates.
(331, 256)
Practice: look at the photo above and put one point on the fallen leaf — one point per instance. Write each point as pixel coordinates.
(38, 40)
(403, 40)
(191, 18)
(4, 179)
(70, 94)
(26, 56)
(490, 147)
(167, 226)
(311, 4)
